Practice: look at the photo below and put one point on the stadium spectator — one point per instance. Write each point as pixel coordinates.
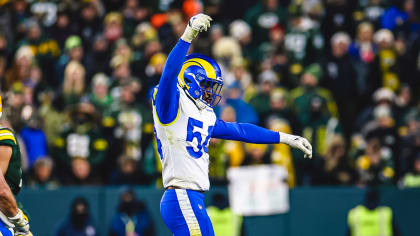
(41, 175)
(385, 69)
(310, 95)
(16, 103)
(225, 221)
(45, 49)
(304, 42)
(74, 82)
(21, 68)
(375, 165)
(34, 139)
(340, 79)
(334, 168)
(132, 217)
(242, 32)
(282, 154)
(412, 179)
(128, 173)
(410, 140)
(73, 49)
(261, 100)
(62, 28)
(100, 97)
(89, 23)
(256, 17)
(98, 57)
(279, 109)
(79, 222)
(363, 51)
(238, 73)
(245, 113)
(128, 118)
(81, 148)
(256, 154)
(382, 97)
(370, 218)
(338, 17)
(371, 11)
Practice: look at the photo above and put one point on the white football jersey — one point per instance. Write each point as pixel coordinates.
(183, 145)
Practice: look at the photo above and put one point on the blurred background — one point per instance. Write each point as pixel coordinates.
(76, 81)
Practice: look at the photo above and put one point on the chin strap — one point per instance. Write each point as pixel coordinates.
(199, 104)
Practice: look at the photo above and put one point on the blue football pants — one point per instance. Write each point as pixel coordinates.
(184, 212)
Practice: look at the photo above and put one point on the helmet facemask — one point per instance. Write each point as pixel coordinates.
(210, 91)
(201, 79)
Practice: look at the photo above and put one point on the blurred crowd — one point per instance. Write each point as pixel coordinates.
(77, 77)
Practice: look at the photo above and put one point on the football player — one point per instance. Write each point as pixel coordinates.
(184, 122)
(12, 219)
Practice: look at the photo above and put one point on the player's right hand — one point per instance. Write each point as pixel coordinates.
(21, 223)
(196, 24)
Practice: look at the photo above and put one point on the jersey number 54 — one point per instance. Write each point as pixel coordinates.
(191, 135)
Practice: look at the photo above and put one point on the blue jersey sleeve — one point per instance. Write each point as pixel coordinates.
(167, 96)
(244, 132)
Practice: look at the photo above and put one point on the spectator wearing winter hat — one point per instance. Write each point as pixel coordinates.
(100, 96)
(280, 109)
(267, 82)
(302, 97)
(382, 96)
(21, 69)
(340, 78)
(385, 70)
(45, 49)
(304, 42)
(73, 52)
(98, 57)
(241, 31)
(269, 9)
(113, 26)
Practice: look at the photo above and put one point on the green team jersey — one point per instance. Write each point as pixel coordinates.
(13, 175)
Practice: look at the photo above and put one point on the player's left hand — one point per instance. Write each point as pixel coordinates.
(297, 142)
(196, 24)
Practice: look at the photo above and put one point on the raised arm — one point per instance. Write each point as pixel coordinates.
(254, 134)
(167, 96)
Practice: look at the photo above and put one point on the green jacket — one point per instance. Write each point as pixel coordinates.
(90, 145)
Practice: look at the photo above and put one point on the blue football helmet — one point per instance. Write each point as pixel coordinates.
(201, 78)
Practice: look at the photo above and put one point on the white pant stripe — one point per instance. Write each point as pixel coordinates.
(187, 212)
